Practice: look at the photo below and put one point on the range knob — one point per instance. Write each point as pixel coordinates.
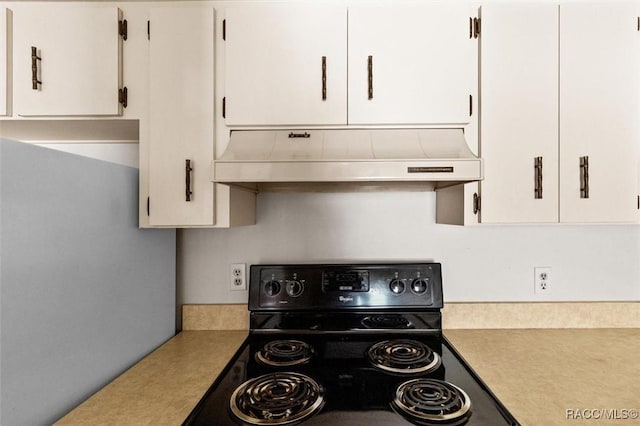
(396, 286)
(294, 288)
(272, 288)
(419, 285)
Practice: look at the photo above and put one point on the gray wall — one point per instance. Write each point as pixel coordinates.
(485, 263)
(84, 292)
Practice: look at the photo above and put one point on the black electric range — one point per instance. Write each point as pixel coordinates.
(351, 345)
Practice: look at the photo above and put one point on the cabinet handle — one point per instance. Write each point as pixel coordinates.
(537, 164)
(370, 76)
(584, 176)
(324, 78)
(476, 203)
(34, 68)
(188, 169)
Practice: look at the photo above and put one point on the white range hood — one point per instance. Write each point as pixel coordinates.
(440, 156)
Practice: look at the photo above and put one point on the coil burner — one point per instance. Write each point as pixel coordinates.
(285, 353)
(403, 356)
(432, 402)
(397, 322)
(277, 399)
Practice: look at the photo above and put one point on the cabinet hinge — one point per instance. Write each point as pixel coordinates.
(122, 29)
(470, 105)
(476, 203)
(148, 206)
(123, 96)
(475, 30)
(148, 30)
(224, 107)
(224, 29)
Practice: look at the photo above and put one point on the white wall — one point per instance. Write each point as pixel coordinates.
(485, 263)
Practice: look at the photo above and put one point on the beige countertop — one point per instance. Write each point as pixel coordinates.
(163, 388)
(538, 374)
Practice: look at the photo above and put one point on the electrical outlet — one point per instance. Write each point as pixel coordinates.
(238, 279)
(542, 280)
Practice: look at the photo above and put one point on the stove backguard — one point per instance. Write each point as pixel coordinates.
(345, 288)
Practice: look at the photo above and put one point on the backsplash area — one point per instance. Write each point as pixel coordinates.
(483, 263)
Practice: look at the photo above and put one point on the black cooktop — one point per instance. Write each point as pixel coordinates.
(355, 392)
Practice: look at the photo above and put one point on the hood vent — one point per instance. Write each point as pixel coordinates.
(438, 156)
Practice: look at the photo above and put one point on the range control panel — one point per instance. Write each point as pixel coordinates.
(337, 287)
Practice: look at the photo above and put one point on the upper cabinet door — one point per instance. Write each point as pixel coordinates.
(181, 98)
(5, 16)
(286, 65)
(76, 68)
(519, 85)
(599, 112)
(411, 64)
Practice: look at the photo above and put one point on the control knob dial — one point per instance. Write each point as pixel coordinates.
(396, 286)
(419, 285)
(272, 288)
(294, 288)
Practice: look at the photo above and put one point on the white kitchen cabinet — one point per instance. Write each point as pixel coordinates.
(567, 96)
(285, 64)
(519, 104)
(5, 25)
(599, 112)
(67, 59)
(411, 64)
(181, 115)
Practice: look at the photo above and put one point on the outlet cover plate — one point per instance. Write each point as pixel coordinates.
(542, 280)
(238, 277)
